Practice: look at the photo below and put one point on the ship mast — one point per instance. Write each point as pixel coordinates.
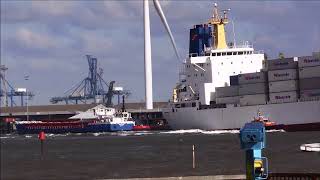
(218, 28)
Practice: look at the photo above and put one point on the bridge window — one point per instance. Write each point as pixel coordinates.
(229, 53)
(234, 53)
(214, 54)
(223, 54)
(240, 53)
(218, 54)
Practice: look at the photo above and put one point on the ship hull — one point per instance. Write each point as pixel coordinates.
(71, 127)
(296, 115)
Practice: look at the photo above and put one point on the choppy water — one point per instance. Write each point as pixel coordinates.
(147, 154)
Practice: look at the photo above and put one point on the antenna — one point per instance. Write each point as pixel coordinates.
(234, 34)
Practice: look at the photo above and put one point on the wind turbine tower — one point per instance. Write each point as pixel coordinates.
(147, 48)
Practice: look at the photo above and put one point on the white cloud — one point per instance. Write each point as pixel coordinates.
(53, 8)
(35, 40)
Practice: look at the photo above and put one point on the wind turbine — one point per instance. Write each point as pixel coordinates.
(147, 48)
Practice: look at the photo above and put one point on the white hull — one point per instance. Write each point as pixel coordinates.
(235, 117)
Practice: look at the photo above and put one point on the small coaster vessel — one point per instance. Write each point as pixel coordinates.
(97, 119)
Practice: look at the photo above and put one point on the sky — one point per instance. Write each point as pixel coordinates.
(48, 40)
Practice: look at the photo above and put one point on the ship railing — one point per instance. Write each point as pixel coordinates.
(258, 52)
(241, 46)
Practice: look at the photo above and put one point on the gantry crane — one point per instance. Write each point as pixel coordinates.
(93, 87)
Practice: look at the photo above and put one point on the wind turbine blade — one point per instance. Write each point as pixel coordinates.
(165, 23)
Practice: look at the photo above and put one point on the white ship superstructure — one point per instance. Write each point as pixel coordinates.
(223, 86)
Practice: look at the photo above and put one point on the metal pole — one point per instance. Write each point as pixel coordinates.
(27, 105)
(27, 102)
(147, 56)
(193, 158)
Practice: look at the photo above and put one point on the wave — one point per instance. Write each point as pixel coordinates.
(197, 131)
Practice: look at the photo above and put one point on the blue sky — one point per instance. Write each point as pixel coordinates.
(48, 40)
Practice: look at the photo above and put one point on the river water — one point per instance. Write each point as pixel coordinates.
(148, 154)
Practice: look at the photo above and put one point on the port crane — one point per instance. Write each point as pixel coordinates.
(92, 88)
(9, 94)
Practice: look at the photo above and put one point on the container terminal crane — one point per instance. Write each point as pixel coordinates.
(91, 88)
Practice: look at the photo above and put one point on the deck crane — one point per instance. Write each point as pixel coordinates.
(92, 89)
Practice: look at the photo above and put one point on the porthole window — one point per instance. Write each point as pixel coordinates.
(231, 62)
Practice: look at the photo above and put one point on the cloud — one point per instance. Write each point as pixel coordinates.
(30, 39)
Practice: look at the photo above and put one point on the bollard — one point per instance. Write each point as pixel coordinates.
(42, 137)
(193, 158)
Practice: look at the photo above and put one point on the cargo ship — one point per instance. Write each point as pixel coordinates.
(222, 86)
(97, 119)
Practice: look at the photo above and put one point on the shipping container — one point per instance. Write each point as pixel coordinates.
(277, 64)
(234, 80)
(282, 75)
(310, 83)
(308, 95)
(257, 88)
(227, 91)
(282, 86)
(309, 72)
(307, 61)
(283, 97)
(250, 100)
(249, 78)
(228, 100)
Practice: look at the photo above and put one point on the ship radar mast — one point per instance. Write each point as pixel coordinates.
(218, 28)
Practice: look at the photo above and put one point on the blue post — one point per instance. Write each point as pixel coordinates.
(253, 140)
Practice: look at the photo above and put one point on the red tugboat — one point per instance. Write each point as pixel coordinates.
(267, 123)
(158, 125)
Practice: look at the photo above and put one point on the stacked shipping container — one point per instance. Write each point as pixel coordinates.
(309, 74)
(283, 84)
(252, 89)
(285, 81)
(227, 95)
